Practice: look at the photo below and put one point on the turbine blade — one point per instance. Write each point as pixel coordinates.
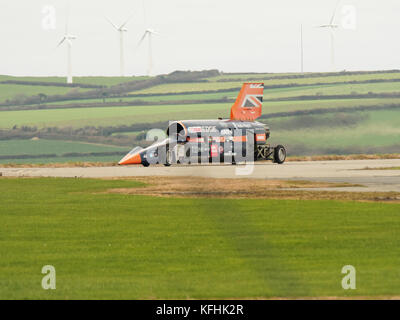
(61, 42)
(127, 20)
(141, 39)
(334, 12)
(111, 23)
(67, 17)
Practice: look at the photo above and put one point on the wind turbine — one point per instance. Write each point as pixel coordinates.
(68, 39)
(301, 49)
(149, 34)
(121, 29)
(332, 26)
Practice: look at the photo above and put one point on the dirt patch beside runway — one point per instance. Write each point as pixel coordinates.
(345, 157)
(384, 168)
(196, 187)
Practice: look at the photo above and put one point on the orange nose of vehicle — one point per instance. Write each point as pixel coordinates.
(131, 159)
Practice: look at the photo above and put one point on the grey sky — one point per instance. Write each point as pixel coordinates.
(229, 35)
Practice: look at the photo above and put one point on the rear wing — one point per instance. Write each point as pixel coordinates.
(248, 104)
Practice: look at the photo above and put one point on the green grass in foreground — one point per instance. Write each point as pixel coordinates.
(119, 246)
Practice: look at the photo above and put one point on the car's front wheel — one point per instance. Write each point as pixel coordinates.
(169, 158)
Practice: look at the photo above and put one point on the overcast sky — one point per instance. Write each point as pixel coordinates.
(229, 35)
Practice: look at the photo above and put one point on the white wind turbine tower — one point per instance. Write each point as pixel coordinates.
(149, 34)
(301, 49)
(68, 39)
(121, 29)
(332, 26)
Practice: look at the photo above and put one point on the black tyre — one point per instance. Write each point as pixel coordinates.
(145, 164)
(279, 154)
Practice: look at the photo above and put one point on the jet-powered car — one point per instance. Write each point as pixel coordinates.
(234, 140)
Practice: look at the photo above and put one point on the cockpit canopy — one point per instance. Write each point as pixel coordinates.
(177, 131)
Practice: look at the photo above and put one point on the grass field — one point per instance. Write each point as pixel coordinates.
(336, 89)
(112, 116)
(109, 115)
(150, 98)
(335, 131)
(317, 90)
(129, 133)
(102, 81)
(52, 146)
(11, 91)
(58, 147)
(113, 246)
(271, 76)
(203, 86)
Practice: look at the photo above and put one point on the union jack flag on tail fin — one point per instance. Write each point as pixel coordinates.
(248, 104)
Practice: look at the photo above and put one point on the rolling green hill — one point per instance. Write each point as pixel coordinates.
(12, 91)
(320, 113)
(106, 81)
(220, 85)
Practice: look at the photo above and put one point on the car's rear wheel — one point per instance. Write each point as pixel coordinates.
(279, 154)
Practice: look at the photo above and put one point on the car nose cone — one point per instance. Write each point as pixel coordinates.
(131, 159)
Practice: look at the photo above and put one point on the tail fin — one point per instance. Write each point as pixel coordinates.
(248, 103)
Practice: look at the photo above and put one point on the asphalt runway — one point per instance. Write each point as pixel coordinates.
(350, 171)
